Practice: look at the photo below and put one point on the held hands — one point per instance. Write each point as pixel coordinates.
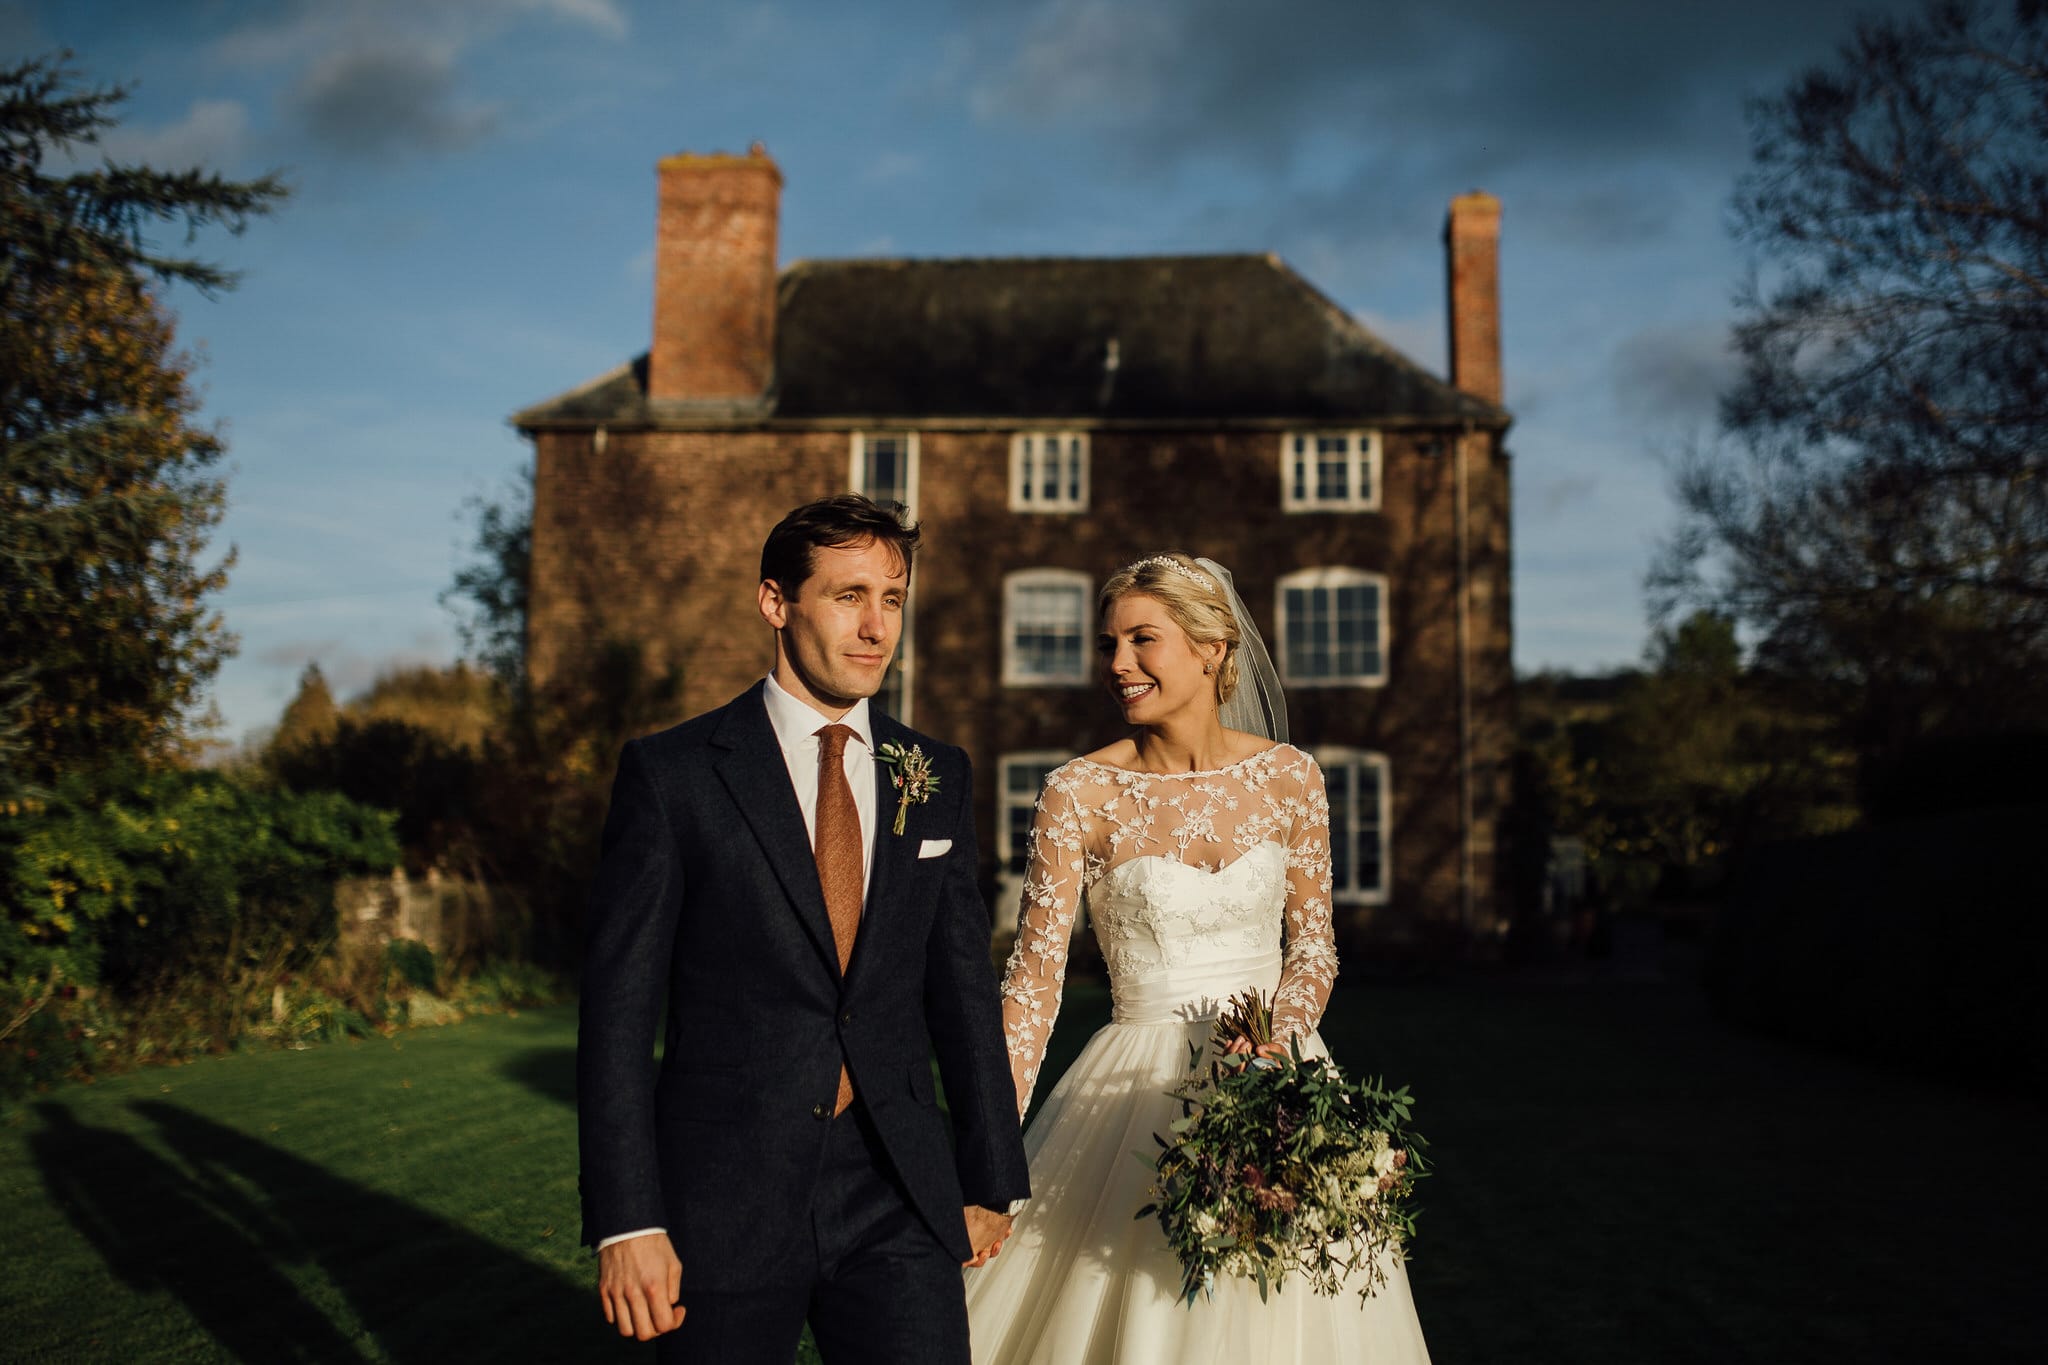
(1240, 1047)
(638, 1281)
(986, 1231)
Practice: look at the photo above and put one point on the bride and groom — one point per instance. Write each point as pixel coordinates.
(788, 898)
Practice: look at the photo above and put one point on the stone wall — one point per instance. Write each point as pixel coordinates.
(461, 920)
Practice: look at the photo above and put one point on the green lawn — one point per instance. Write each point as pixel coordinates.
(1619, 1180)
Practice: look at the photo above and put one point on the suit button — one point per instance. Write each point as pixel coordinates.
(846, 1018)
(821, 1111)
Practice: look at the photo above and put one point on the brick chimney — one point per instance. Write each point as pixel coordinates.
(1472, 246)
(714, 276)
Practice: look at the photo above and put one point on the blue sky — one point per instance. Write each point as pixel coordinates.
(473, 221)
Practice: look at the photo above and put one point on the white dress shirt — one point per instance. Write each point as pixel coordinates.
(796, 729)
(796, 725)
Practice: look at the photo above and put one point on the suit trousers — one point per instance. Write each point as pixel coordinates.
(867, 1273)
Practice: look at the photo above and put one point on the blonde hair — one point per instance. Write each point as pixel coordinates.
(1193, 599)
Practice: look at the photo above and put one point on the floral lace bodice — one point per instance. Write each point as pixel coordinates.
(1193, 880)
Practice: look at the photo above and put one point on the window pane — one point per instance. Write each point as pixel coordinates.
(1074, 470)
(885, 473)
(1333, 469)
(1370, 826)
(1358, 624)
(1021, 781)
(1351, 625)
(1332, 632)
(1047, 620)
(1026, 484)
(1050, 468)
(1310, 651)
(1297, 632)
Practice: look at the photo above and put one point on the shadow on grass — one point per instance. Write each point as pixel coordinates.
(159, 1228)
(549, 1072)
(233, 1226)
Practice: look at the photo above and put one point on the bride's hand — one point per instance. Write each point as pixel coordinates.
(1240, 1047)
(986, 1232)
(1272, 1052)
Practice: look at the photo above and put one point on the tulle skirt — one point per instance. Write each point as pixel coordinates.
(1082, 1281)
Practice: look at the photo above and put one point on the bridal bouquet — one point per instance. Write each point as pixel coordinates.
(1280, 1165)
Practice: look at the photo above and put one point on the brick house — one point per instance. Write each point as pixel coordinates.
(1049, 420)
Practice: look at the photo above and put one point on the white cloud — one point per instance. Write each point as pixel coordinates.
(603, 15)
(1083, 59)
(213, 134)
(889, 167)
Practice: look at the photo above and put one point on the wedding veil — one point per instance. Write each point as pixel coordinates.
(1257, 706)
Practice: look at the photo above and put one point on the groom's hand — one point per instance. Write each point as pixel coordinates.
(986, 1230)
(638, 1281)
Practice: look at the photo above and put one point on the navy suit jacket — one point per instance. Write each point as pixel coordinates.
(708, 896)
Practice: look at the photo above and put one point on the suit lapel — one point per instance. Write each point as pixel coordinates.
(888, 852)
(758, 780)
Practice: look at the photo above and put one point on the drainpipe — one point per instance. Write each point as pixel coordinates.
(1467, 890)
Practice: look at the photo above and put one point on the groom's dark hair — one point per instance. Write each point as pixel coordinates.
(843, 519)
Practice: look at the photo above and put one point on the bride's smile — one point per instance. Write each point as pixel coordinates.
(1150, 666)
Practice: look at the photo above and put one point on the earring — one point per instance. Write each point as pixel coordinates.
(1208, 669)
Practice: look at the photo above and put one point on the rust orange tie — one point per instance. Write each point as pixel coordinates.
(840, 859)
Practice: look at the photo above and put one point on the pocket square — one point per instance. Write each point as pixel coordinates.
(932, 848)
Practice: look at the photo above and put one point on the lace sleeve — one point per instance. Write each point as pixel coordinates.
(1035, 979)
(1308, 961)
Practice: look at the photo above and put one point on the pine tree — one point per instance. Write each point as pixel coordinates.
(311, 714)
(107, 494)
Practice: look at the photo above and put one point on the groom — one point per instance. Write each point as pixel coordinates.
(787, 1158)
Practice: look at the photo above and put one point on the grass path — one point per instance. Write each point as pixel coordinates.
(1620, 1180)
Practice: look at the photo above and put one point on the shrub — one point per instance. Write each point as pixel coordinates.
(413, 961)
(506, 985)
(148, 879)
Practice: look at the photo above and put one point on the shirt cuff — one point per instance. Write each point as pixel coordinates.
(629, 1236)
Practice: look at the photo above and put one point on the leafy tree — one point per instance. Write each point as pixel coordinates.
(489, 595)
(460, 704)
(1665, 775)
(106, 495)
(310, 715)
(1878, 517)
(547, 762)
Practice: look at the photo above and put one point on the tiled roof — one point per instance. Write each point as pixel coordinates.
(1162, 338)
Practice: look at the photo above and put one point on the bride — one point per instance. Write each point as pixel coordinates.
(1201, 843)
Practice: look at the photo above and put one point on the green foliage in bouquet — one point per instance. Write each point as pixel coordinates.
(1280, 1166)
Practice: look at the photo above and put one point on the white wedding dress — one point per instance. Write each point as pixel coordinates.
(1200, 885)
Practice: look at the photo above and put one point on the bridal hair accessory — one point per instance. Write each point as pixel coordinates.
(1175, 566)
(911, 774)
